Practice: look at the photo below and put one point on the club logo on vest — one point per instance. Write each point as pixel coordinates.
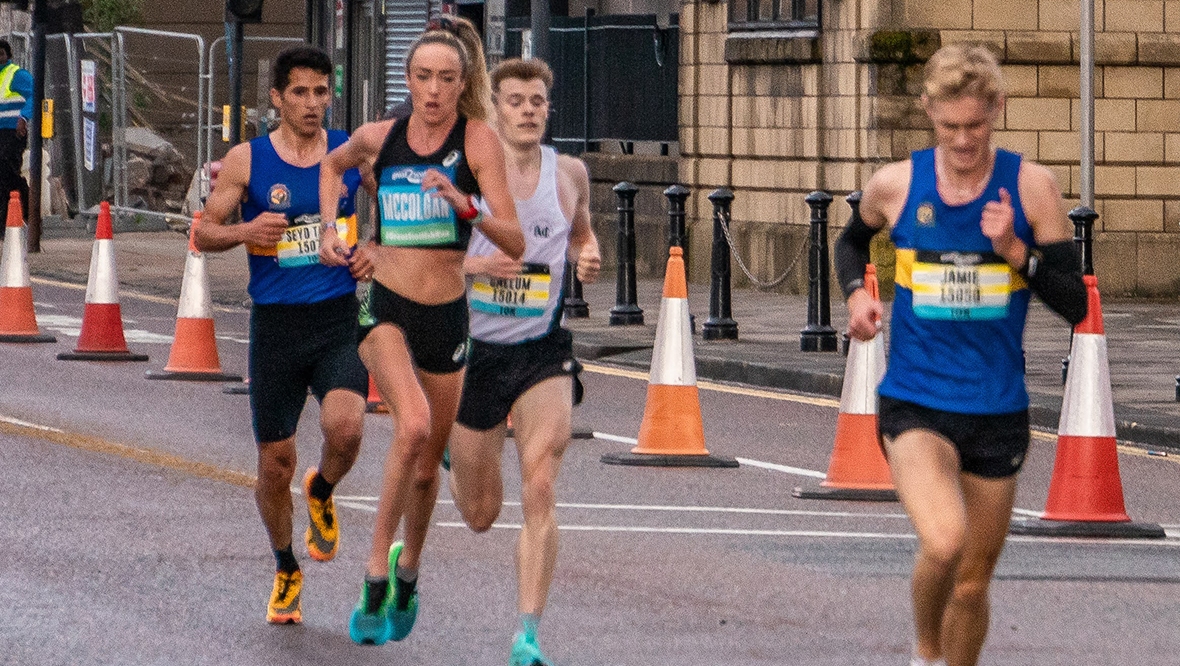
(460, 352)
(279, 197)
(925, 214)
(452, 158)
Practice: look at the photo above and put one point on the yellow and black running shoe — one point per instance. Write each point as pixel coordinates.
(284, 599)
(323, 533)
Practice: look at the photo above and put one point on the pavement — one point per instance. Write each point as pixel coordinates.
(1143, 337)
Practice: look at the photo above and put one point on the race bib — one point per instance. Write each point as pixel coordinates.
(526, 295)
(961, 286)
(300, 245)
(409, 216)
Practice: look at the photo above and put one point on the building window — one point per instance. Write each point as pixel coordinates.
(773, 14)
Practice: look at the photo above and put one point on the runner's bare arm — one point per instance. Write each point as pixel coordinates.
(881, 203)
(485, 156)
(213, 234)
(359, 151)
(574, 191)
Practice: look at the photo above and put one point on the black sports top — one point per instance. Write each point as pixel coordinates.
(409, 217)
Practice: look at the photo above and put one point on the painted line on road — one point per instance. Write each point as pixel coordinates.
(16, 427)
(799, 471)
(149, 298)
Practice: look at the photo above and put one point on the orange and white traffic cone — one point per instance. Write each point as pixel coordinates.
(18, 320)
(1086, 493)
(102, 337)
(194, 346)
(672, 433)
(374, 404)
(858, 470)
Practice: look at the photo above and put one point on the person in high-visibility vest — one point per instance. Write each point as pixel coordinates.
(16, 109)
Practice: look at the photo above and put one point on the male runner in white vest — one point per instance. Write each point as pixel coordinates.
(521, 361)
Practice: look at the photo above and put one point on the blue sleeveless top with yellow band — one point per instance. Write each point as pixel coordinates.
(291, 272)
(958, 309)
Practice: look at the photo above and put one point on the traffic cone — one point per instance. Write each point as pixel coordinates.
(102, 338)
(858, 470)
(194, 346)
(374, 404)
(18, 321)
(672, 433)
(1086, 493)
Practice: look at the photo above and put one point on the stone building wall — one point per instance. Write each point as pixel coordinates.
(774, 117)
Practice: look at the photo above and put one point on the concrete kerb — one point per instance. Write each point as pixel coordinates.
(823, 374)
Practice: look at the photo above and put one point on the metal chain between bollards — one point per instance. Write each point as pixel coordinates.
(742, 265)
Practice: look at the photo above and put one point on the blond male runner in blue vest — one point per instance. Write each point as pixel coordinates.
(521, 361)
(16, 110)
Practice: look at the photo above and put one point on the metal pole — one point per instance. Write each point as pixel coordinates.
(819, 334)
(540, 20)
(36, 165)
(1087, 100)
(720, 324)
(235, 81)
(626, 310)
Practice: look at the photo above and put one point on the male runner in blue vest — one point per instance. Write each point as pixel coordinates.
(303, 325)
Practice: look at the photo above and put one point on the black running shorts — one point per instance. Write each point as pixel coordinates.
(498, 374)
(297, 347)
(989, 445)
(435, 334)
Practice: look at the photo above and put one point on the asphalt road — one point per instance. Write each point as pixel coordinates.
(131, 537)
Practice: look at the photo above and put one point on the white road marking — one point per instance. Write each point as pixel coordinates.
(783, 468)
(126, 293)
(704, 530)
(26, 424)
(72, 326)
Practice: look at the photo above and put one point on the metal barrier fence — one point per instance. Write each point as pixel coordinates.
(161, 79)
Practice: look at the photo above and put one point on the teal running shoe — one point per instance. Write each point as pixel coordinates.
(369, 623)
(401, 621)
(526, 652)
(446, 459)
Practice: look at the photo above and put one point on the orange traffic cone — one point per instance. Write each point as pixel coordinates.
(102, 338)
(194, 347)
(857, 470)
(18, 321)
(1086, 493)
(672, 433)
(374, 404)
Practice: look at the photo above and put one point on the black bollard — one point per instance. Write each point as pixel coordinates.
(677, 231)
(819, 334)
(574, 306)
(626, 311)
(720, 324)
(1083, 218)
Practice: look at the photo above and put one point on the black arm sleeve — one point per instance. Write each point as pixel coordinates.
(1056, 276)
(852, 254)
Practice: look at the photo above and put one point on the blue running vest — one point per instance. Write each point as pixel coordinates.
(958, 309)
(291, 272)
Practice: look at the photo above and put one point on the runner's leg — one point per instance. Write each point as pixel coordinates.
(989, 509)
(475, 480)
(385, 353)
(925, 469)
(541, 418)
